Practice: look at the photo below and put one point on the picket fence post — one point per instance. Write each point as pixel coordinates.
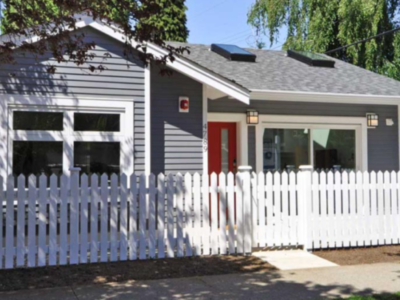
(305, 193)
(246, 206)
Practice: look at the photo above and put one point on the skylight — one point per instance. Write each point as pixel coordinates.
(233, 52)
(312, 59)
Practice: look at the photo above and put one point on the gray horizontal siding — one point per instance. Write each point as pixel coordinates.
(121, 78)
(176, 138)
(383, 142)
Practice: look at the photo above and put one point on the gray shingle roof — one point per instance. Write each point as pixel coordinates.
(277, 72)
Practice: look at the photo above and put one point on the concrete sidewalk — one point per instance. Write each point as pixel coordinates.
(299, 284)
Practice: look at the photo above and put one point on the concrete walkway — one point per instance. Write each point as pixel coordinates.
(322, 283)
(293, 260)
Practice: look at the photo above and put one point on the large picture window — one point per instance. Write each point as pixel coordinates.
(53, 141)
(324, 148)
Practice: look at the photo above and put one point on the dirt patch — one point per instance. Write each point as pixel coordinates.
(358, 256)
(59, 276)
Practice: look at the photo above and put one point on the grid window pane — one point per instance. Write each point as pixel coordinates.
(37, 158)
(26, 120)
(97, 157)
(96, 122)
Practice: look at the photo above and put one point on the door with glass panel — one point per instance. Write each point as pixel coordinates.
(324, 148)
(222, 147)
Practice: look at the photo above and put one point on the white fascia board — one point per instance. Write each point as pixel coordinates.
(324, 97)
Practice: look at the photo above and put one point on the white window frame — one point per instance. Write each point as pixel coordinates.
(359, 125)
(68, 136)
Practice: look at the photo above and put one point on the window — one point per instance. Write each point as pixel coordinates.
(53, 141)
(26, 120)
(37, 158)
(324, 148)
(97, 122)
(286, 148)
(95, 157)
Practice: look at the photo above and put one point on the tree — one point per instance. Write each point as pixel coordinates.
(143, 21)
(322, 25)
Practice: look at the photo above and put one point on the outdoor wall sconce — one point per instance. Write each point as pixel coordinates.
(372, 120)
(252, 117)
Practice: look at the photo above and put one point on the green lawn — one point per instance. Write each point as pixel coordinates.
(376, 297)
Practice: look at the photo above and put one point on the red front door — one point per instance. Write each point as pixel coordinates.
(222, 147)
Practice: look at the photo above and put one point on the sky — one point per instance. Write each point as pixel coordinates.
(222, 21)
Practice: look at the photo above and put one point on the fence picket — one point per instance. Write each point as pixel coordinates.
(239, 214)
(114, 218)
(214, 213)
(231, 212)
(331, 211)
(206, 215)
(32, 221)
(374, 225)
(294, 219)
(352, 213)
(345, 210)
(380, 210)
(104, 218)
(367, 201)
(222, 213)
(359, 210)
(94, 215)
(42, 221)
(84, 217)
(74, 219)
(161, 215)
(142, 217)
(133, 206)
(10, 223)
(387, 209)
(261, 210)
(393, 208)
(152, 215)
(253, 209)
(277, 210)
(270, 210)
(188, 225)
(179, 215)
(20, 221)
(285, 208)
(197, 213)
(315, 215)
(123, 246)
(324, 224)
(170, 216)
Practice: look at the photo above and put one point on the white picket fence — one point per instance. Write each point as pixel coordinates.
(71, 220)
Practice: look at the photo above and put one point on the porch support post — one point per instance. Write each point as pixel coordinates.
(147, 114)
(305, 184)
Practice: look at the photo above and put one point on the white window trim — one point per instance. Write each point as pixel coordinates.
(68, 136)
(314, 122)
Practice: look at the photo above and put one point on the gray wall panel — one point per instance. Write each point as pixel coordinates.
(383, 142)
(176, 138)
(139, 150)
(120, 79)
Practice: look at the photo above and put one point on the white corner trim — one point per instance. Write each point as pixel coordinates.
(147, 113)
(205, 130)
(323, 97)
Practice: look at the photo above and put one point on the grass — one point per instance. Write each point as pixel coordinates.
(377, 297)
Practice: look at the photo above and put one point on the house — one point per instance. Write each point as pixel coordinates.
(223, 107)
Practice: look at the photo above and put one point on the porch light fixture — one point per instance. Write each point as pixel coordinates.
(252, 117)
(372, 120)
